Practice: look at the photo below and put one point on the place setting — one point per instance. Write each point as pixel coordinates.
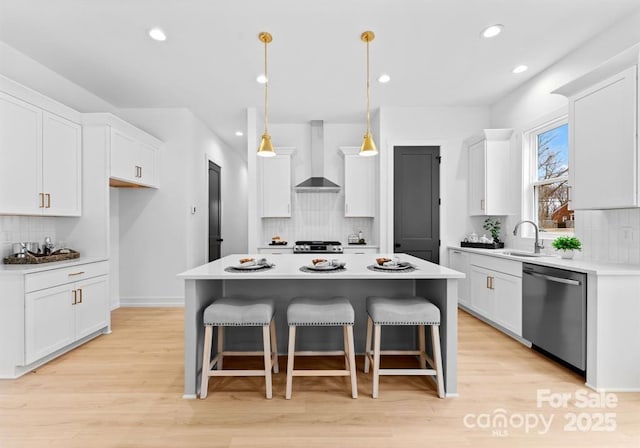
(322, 265)
(384, 264)
(250, 264)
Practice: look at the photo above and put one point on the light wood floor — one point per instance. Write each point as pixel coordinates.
(124, 390)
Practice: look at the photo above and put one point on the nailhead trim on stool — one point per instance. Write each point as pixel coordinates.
(243, 312)
(405, 310)
(335, 312)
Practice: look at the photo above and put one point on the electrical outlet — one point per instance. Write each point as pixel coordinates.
(626, 234)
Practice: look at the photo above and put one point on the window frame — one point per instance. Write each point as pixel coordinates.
(530, 171)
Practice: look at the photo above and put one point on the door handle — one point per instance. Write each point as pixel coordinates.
(396, 245)
(80, 290)
(219, 240)
(48, 196)
(481, 204)
(566, 281)
(41, 200)
(75, 297)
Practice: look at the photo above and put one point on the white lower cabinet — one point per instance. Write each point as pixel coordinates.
(360, 250)
(51, 311)
(56, 317)
(494, 288)
(275, 251)
(459, 261)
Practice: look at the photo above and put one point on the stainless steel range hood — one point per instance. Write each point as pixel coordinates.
(317, 183)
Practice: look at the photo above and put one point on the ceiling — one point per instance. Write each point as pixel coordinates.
(431, 48)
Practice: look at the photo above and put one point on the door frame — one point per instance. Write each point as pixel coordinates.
(208, 158)
(386, 194)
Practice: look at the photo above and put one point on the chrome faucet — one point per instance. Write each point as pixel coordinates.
(536, 246)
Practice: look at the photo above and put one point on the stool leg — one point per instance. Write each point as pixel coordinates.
(220, 346)
(345, 341)
(290, 355)
(267, 359)
(352, 360)
(206, 359)
(422, 347)
(376, 359)
(274, 346)
(367, 345)
(437, 358)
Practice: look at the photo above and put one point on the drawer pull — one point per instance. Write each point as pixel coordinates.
(41, 200)
(48, 196)
(76, 273)
(80, 290)
(74, 297)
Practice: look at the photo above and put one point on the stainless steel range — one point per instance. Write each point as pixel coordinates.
(317, 247)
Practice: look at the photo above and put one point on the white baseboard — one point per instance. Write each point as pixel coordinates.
(166, 302)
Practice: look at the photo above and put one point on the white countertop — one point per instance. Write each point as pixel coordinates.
(287, 266)
(290, 245)
(554, 261)
(22, 269)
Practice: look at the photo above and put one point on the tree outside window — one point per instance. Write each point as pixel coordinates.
(550, 183)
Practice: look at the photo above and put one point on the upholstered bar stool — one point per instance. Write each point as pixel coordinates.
(307, 312)
(239, 312)
(403, 311)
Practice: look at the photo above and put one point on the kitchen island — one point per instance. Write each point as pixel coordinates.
(286, 280)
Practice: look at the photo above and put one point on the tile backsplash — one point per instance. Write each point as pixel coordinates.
(610, 235)
(317, 216)
(15, 229)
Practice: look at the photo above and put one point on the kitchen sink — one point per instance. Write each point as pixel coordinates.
(522, 253)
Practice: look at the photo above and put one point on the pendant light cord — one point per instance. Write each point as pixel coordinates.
(266, 90)
(368, 87)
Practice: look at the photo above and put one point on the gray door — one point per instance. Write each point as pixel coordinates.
(215, 239)
(416, 201)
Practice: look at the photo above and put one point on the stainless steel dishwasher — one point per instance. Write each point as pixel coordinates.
(554, 312)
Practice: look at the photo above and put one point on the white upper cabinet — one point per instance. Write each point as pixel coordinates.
(61, 165)
(134, 154)
(132, 161)
(275, 184)
(489, 172)
(359, 184)
(603, 141)
(40, 159)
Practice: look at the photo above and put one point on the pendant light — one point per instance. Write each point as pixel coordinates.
(368, 147)
(266, 147)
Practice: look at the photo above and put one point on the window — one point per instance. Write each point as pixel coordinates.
(548, 191)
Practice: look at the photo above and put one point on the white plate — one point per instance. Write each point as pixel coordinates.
(392, 268)
(249, 268)
(323, 268)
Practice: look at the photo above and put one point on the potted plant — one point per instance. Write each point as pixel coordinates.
(493, 226)
(566, 245)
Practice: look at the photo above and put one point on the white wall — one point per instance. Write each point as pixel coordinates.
(602, 232)
(446, 127)
(159, 236)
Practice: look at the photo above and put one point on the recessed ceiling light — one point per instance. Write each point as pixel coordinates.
(239, 133)
(157, 34)
(384, 78)
(492, 31)
(261, 79)
(520, 69)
